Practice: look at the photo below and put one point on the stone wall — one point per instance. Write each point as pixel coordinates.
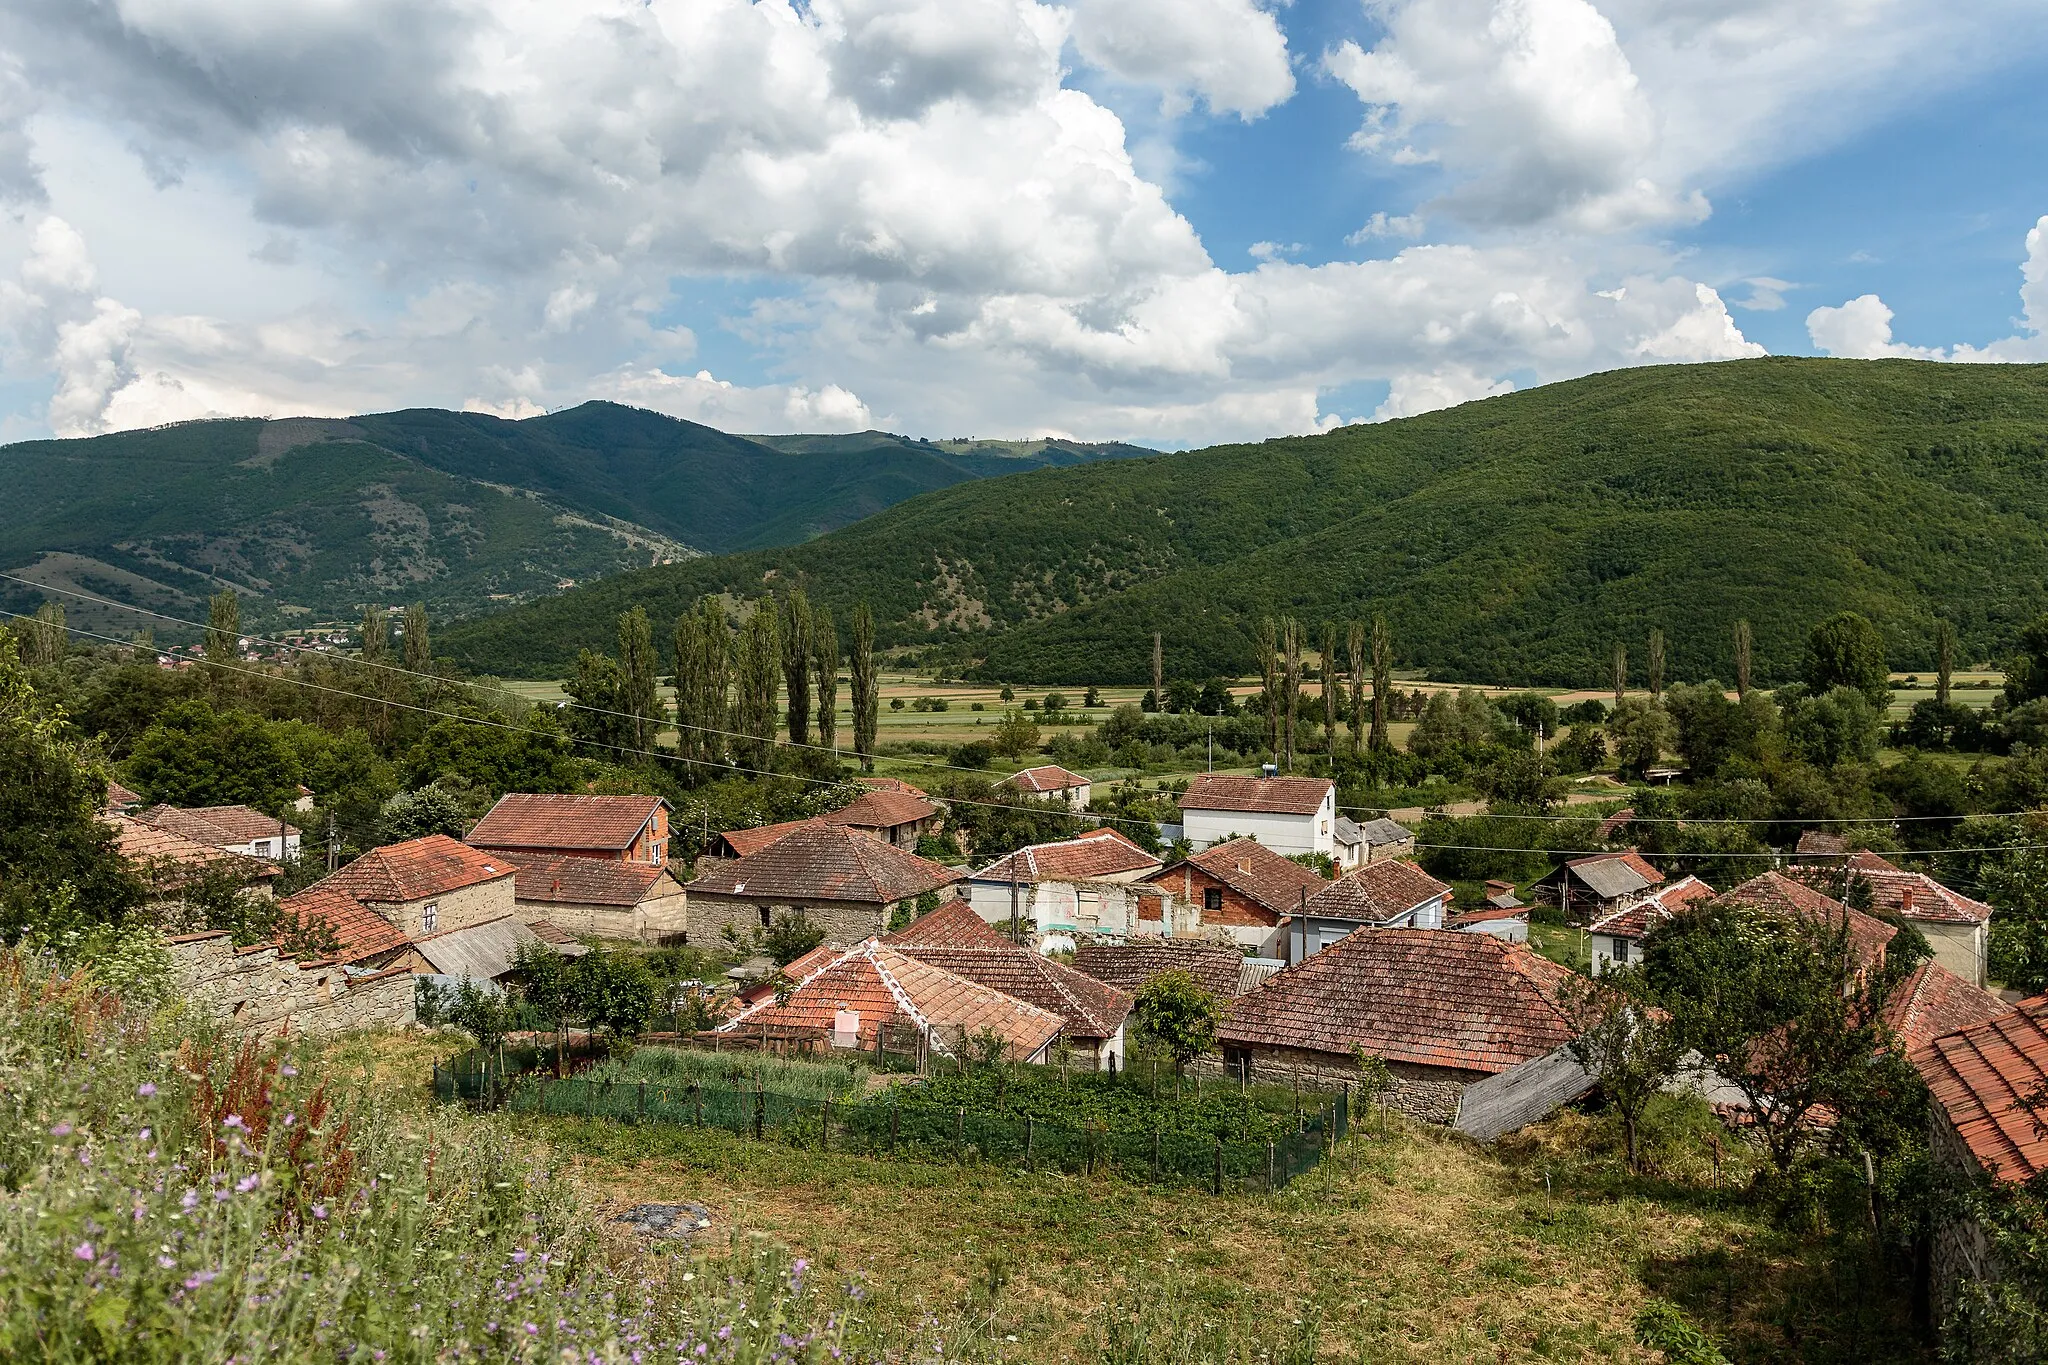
(458, 909)
(847, 922)
(1428, 1094)
(255, 988)
(655, 920)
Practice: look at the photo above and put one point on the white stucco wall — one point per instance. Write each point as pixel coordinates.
(1286, 835)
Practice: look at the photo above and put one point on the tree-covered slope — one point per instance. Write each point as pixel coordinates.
(1515, 539)
(460, 509)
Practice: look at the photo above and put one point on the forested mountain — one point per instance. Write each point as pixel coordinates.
(1514, 540)
(314, 517)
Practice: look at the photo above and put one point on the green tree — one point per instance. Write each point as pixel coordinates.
(2016, 883)
(1846, 650)
(483, 1012)
(195, 755)
(1620, 671)
(1179, 1015)
(1840, 726)
(600, 716)
(1519, 781)
(419, 649)
(825, 676)
(426, 810)
(760, 675)
(1015, 735)
(867, 691)
(1945, 656)
(1640, 730)
(223, 637)
(532, 756)
(1656, 663)
(789, 936)
(1745, 656)
(44, 639)
(1354, 642)
(541, 976)
(1624, 1042)
(1158, 670)
(60, 868)
(703, 656)
(1333, 688)
(2026, 673)
(1710, 730)
(639, 686)
(1290, 688)
(615, 993)
(1269, 676)
(796, 665)
(1382, 683)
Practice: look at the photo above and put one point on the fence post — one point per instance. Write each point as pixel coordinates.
(1270, 1168)
(959, 1132)
(641, 1116)
(1216, 1180)
(760, 1106)
(1027, 1139)
(1155, 1152)
(437, 1080)
(895, 1113)
(825, 1128)
(589, 1098)
(1090, 1131)
(697, 1101)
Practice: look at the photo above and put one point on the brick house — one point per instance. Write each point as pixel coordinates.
(426, 886)
(839, 879)
(1443, 1010)
(619, 900)
(627, 829)
(1240, 892)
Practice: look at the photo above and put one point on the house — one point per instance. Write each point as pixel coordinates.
(1443, 1010)
(1395, 895)
(1956, 927)
(896, 818)
(1362, 843)
(1774, 893)
(1509, 926)
(1051, 780)
(1618, 938)
(1501, 896)
(1814, 846)
(1240, 892)
(891, 784)
(860, 997)
(626, 829)
(618, 900)
(362, 938)
(120, 800)
(170, 862)
(1092, 1013)
(1288, 815)
(235, 829)
(1086, 884)
(1611, 828)
(1934, 1001)
(1982, 1079)
(483, 952)
(425, 886)
(739, 843)
(1216, 967)
(1592, 887)
(837, 878)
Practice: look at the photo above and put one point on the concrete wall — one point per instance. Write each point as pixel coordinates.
(1428, 1094)
(254, 988)
(844, 922)
(1958, 947)
(458, 909)
(1286, 835)
(1089, 905)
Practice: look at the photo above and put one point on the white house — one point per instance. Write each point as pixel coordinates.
(1618, 938)
(1289, 815)
(1087, 883)
(233, 829)
(1391, 895)
(1051, 779)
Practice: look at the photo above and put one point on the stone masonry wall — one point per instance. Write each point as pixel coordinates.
(843, 922)
(1428, 1094)
(255, 988)
(457, 909)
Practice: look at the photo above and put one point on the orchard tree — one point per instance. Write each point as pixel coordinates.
(1175, 1011)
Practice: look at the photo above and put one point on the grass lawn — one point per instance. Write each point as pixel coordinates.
(1560, 943)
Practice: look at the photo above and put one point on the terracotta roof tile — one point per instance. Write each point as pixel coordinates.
(744, 842)
(1255, 872)
(607, 824)
(1376, 893)
(119, 798)
(1815, 843)
(827, 863)
(565, 879)
(1274, 795)
(1616, 822)
(361, 931)
(1090, 1008)
(1098, 853)
(1423, 996)
(1128, 966)
(891, 784)
(1634, 923)
(952, 925)
(882, 810)
(1044, 779)
(883, 983)
(215, 824)
(1980, 1075)
(1934, 1001)
(547, 931)
(153, 844)
(1776, 893)
(417, 869)
(1915, 895)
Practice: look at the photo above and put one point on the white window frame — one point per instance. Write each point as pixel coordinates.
(430, 917)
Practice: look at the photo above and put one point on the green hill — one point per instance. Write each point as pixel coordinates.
(312, 517)
(1514, 539)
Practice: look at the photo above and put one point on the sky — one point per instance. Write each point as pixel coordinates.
(1174, 222)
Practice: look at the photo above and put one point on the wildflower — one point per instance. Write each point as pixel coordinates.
(519, 1257)
(146, 1089)
(61, 1130)
(288, 1070)
(234, 1121)
(83, 1251)
(166, 1262)
(320, 1211)
(145, 1135)
(190, 1201)
(248, 1182)
(199, 1278)
(532, 1330)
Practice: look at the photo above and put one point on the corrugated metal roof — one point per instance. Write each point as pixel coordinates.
(481, 952)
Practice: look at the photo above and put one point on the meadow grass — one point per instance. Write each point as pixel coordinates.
(674, 1066)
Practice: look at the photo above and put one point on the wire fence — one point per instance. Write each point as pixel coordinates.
(898, 1124)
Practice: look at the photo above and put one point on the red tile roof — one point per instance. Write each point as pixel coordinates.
(1815, 843)
(748, 841)
(1980, 1075)
(362, 932)
(882, 810)
(1273, 795)
(547, 931)
(891, 784)
(606, 824)
(1616, 822)
(952, 925)
(1933, 1001)
(216, 824)
(1376, 893)
(1776, 893)
(1915, 895)
(170, 854)
(417, 869)
(119, 798)
(1128, 966)
(1044, 779)
(818, 862)
(1423, 996)
(565, 879)
(956, 938)
(1255, 872)
(883, 983)
(1634, 923)
(1098, 853)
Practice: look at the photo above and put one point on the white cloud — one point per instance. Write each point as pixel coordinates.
(769, 409)
(1411, 394)
(1382, 224)
(1231, 53)
(1766, 294)
(1862, 327)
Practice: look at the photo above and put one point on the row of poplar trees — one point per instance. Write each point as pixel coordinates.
(1280, 646)
(734, 690)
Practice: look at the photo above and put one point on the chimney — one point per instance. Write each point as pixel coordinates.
(1906, 901)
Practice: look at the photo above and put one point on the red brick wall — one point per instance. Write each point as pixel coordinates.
(1189, 885)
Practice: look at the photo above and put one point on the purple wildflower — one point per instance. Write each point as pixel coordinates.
(146, 1089)
(83, 1251)
(234, 1121)
(61, 1130)
(248, 1182)
(320, 1211)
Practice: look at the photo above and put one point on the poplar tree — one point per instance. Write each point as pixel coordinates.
(376, 643)
(796, 665)
(419, 653)
(1331, 688)
(1158, 674)
(223, 634)
(1354, 639)
(1656, 664)
(1290, 630)
(43, 637)
(1620, 671)
(1382, 682)
(1744, 647)
(867, 696)
(825, 675)
(375, 652)
(640, 694)
(1269, 674)
(760, 675)
(1944, 660)
(703, 648)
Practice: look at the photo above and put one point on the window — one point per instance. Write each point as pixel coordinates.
(765, 917)
(1620, 949)
(656, 859)
(430, 916)
(1212, 898)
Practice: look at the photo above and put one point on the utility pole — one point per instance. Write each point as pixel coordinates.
(1016, 925)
